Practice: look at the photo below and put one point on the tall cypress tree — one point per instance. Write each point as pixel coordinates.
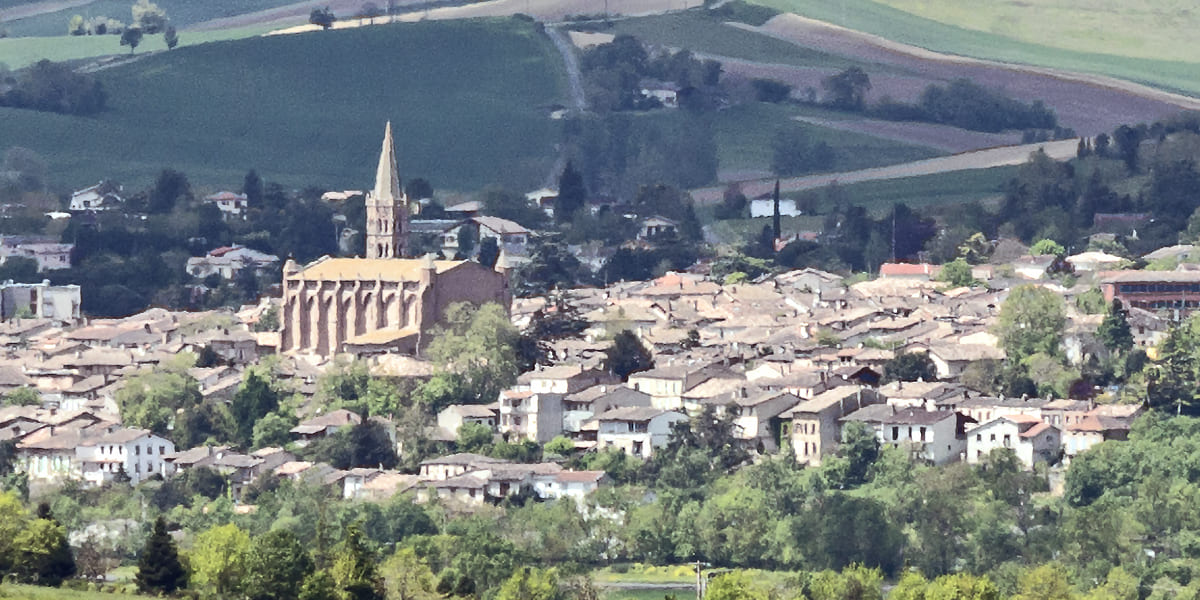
(776, 228)
(159, 569)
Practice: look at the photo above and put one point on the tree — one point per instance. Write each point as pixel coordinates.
(1031, 320)
(170, 37)
(323, 17)
(793, 153)
(151, 400)
(489, 252)
(273, 430)
(478, 345)
(319, 585)
(23, 396)
(560, 445)
(43, 556)
(957, 273)
(218, 559)
(170, 187)
(1046, 582)
(473, 437)
(571, 194)
(848, 89)
(1044, 247)
(627, 355)
(408, 577)
(910, 366)
(1114, 331)
(158, 569)
(354, 570)
(131, 37)
(735, 585)
(77, 26)
(276, 567)
(252, 187)
(255, 399)
(148, 17)
(859, 449)
(530, 583)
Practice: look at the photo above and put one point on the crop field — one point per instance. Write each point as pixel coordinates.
(1153, 29)
(745, 132)
(181, 12)
(925, 191)
(894, 24)
(17, 52)
(309, 110)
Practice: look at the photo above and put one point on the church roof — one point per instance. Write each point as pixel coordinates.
(387, 180)
(383, 336)
(385, 269)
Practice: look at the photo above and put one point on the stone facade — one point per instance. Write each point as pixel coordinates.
(382, 303)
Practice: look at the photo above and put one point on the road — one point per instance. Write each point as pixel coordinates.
(575, 93)
(967, 161)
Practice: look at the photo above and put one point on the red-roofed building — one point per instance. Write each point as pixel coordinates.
(1030, 438)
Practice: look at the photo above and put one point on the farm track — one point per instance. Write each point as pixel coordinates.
(980, 159)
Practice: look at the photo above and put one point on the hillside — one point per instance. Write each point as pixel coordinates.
(1167, 72)
(309, 109)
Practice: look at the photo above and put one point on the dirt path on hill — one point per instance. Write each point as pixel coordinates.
(967, 161)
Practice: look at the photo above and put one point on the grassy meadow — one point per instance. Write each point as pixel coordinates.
(181, 12)
(876, 18)
(12, 591)
(17, 52)
(469, 102)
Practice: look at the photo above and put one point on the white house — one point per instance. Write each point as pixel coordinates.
(531, 415)
(653, 227)
(511, 237)
(102, 196)
(452, 417)
(952, 359)
(229, 203)
(568, 484)
(140, 453)
(543, 199)
(40, 300)
(49, 255)
(447, 467)
(636, 430)
(1032, 439)
(229, 261)
(765, 207)
(934, 436)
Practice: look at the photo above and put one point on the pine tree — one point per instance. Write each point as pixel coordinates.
(159, 569)
(572, 194)
(354, 570)
(776, 229)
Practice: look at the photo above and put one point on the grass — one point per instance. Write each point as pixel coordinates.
(745, 132)
(17, 52)
(701, 33)
(181, 12)
(12, 591)
(736, 231)
(468, 101)
(940, 189)
(873, 17)
(660, 594)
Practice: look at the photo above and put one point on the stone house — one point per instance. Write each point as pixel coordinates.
(636, 430)
(324, 425)
(815, 428)
(935, 436)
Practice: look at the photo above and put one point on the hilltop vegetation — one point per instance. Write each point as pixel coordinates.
(309, 109)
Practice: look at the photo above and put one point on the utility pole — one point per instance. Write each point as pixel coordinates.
(699, 582)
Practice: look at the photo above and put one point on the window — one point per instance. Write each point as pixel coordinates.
(895, 433)
(162, 449)
(993, 438)
(1007, 441)
(137, 450)
(137, 467)
(979, 437)
(922, 434)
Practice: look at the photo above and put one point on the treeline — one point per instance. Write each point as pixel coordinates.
(613, 74)
(52, 87)
(967, 105)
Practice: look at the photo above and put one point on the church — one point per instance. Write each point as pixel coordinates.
(386, 302)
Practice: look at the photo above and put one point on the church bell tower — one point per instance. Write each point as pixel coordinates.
(387, 207)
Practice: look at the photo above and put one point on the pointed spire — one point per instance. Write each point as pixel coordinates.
(387, 180)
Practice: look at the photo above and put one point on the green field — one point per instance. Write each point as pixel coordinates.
(468, 101)
(875, 18)
(698, 32)
(19, 52)
(744, 134)
(941, 189)
(11, 591)
(181, 12)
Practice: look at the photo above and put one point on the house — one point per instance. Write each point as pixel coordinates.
(530, 415)
(918, 272)
(665, 92)
(447, 467)
(1037, 267)
(952, 359)
(230, 204)
(666, 385)
(452, 417)
(580, 407)
(102, 196)
(756, 415)
(49, 255)
(95, 454)
(576, 485)
(41, 301)
(565, 379)
(511, 237)
(543, 199)
(636, 430)
(764, 206)
(935, 436)
(984, 409)
(1175, 291)
(1094, 261)
(1102, 423)
(654, 227)
(1030, 438)
(229, 261)
(324, 425)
